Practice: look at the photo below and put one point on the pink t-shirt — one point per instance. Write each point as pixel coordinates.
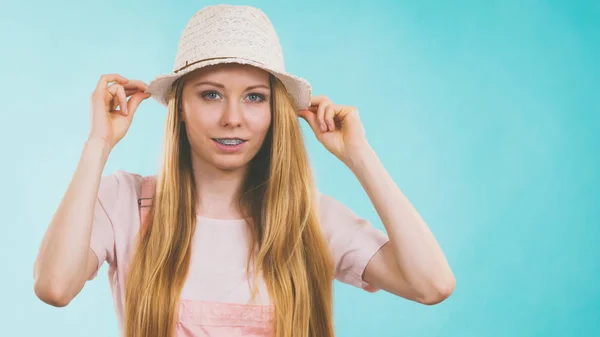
(215, 297)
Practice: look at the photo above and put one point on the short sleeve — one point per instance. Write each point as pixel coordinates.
(102, 241)
(353, 241)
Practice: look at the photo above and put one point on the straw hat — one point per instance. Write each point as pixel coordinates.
(231, 34)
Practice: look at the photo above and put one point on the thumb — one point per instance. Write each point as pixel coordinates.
(135, 101)
(311, 118)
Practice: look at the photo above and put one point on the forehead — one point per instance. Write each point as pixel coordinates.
(229, 74)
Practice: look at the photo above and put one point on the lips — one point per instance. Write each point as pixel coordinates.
(229, 141)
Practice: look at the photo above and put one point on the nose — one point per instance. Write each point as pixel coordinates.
(232, 115)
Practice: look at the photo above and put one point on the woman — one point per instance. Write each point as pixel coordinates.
(231, 237)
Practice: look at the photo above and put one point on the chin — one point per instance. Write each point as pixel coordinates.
(229, 163)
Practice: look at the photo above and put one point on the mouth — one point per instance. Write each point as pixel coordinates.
(229, 141)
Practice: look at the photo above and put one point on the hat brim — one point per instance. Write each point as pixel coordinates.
(298, 88)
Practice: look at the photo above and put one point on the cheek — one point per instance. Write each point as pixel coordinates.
(198, 113)
(196, 128)
(259, 123)
(199, 123)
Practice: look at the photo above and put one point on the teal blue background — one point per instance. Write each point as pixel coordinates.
(486, 113)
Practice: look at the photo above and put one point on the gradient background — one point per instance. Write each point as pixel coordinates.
(485, 112)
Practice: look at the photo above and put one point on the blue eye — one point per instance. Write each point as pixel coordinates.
(256, 97)
(211, 95)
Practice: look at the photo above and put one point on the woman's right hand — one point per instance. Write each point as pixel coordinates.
(107, 123)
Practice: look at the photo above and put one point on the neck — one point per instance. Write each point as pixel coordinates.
(218, 190)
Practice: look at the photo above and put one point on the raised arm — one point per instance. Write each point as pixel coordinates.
(411, 264)
(65, 260)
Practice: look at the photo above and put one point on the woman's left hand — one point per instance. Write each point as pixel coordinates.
(337, 127)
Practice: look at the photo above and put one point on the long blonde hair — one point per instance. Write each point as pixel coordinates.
(287, 245)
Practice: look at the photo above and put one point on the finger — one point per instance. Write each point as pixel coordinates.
(113, 103)
(129, 92)
(136, 84)
(112, 93)
(318, 100)
(111, 97)
(311, 118)
(122, 99)
(321, 116)
(344, 111)
(135, 101)
(106, 79)
(329, 114)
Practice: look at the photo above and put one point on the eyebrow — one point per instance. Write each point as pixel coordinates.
(219, 85)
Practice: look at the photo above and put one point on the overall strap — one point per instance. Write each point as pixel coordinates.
(145, 201)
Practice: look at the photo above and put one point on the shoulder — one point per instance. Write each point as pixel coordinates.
(352, 239)
(118, 187)
(120, 181)
(332, 211)
(344, 229)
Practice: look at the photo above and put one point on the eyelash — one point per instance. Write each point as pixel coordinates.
(261, 98)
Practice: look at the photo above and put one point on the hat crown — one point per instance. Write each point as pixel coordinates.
(226, 31)
(230, 34)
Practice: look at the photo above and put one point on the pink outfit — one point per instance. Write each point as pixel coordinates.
(215, 297)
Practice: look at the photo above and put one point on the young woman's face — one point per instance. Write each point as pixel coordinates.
(226, 109)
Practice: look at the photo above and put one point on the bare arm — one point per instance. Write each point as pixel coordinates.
(65, 260)
(412, 264)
